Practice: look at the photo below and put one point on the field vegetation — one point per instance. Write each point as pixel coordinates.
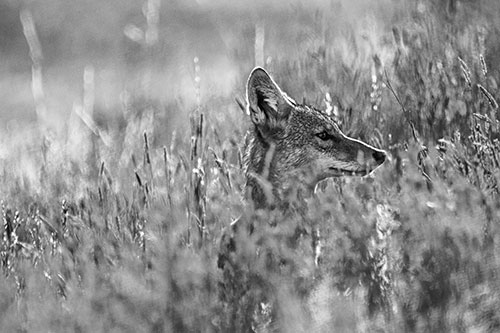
(121, 151)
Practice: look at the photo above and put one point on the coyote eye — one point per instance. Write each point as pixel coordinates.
(324, 136)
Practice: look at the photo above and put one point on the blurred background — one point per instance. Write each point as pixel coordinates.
(149, 47)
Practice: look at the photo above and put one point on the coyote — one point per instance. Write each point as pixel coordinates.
(289, 149)
(292, 147)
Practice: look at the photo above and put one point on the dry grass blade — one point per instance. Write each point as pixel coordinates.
(138, 178)
(465, 71)
(488, 96)
(422, 154)
(89, 122)
(405, 112)
(223, 170)
(167, 174)
(484, 68)
(240, 104)
(147, 160)
(35, 48)
(197, 206)
(483, 117)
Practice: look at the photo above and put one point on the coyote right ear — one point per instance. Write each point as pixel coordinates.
(267, 104)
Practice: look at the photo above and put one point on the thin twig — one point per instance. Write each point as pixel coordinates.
(405, 112)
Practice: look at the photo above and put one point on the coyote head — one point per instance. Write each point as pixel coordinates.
(292, 147)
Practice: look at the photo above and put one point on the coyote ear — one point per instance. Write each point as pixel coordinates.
(267, 104)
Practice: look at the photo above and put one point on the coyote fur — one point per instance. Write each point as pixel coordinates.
(291, 147)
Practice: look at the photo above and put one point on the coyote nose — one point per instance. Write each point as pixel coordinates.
(379, 156)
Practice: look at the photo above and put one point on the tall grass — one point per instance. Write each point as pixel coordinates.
(120, 225)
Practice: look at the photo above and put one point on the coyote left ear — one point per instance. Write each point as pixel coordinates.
(267, 104)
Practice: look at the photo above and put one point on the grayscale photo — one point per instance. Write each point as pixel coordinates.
(250, 166)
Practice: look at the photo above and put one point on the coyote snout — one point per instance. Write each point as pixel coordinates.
(292, 147)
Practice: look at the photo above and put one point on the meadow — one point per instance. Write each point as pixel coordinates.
(121, 167)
